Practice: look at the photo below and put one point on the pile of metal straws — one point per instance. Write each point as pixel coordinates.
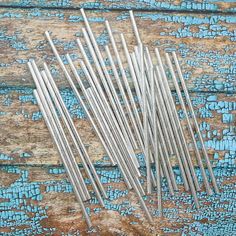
(129, 112)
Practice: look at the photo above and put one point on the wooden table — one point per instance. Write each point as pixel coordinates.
(35, 196)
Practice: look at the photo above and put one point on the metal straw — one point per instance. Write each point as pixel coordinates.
(59, 143)
(135, 28)
(173, 115)
(134, 180)
(136, 128)
(124, 145)
(164, 119)
(50, 109)
(195, 122)
(146, 138)
(104, 103)
(105, 145)
(174, 79)
(77, 141)
(185, 163)
(157, 143)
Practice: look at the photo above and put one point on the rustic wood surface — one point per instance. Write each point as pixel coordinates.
(35, 196)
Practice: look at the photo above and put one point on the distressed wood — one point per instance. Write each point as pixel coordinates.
(170, 5)
(205, 43)
(40, 201)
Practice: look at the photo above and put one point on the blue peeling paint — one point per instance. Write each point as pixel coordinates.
(5, 157)
(216, 211)
(25, 155)
(17, 213)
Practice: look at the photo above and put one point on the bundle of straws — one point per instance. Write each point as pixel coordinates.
(130, 109)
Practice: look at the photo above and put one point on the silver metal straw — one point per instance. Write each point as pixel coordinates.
(134, 180)
(105, 145)
(164, 119)
(195, 122)
(104, 103)
(156, 149)
(119, 138)
(50, 109)
(174, 79)
(185, 163)
(136, 129)
(56, 138)
(173, 115)
(145, 130)
(77, 141)
(135, 28)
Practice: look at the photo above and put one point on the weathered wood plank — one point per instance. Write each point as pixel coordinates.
(205, 42)
(25, 139)
(40, 201)
(170, 5)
